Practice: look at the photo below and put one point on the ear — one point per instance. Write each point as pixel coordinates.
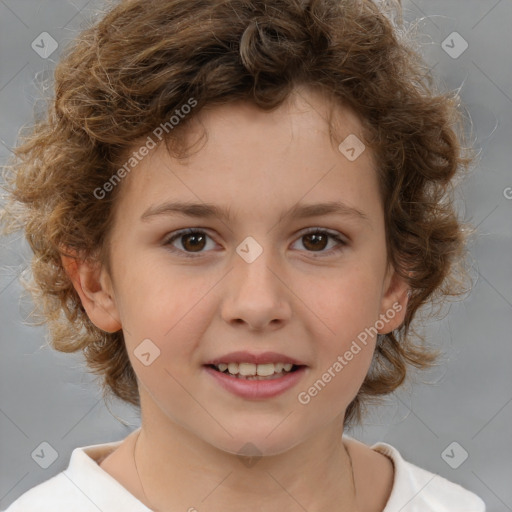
(394, 301)
(94, 287)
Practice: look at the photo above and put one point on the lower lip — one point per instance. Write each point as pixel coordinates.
(257, 389)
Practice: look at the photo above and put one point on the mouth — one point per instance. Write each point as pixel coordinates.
(242, 379)
(251, 371)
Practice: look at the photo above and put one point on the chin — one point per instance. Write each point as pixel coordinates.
(257, 443)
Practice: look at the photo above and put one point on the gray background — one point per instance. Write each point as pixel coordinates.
(46, 397)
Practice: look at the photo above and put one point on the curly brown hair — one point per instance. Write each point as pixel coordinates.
(128, 72)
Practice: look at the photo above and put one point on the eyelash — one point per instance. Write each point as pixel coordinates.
(191, 231)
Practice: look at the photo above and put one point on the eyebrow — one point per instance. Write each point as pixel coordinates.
(208, 210)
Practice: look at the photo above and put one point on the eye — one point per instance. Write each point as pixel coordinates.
(193, 241)
(317, 239)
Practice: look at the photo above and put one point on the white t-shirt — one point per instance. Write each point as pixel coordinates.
(85, 487)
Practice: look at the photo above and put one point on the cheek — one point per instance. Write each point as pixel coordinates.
(342, 311)
(172, 310)
(344, 302)
(154, 294)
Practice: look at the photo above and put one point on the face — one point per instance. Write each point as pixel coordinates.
(255, 280)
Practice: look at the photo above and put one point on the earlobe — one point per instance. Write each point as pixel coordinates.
(394, 302)
(91, 284)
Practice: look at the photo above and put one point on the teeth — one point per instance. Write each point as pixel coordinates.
(251, 369)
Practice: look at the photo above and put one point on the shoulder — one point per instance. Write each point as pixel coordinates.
(57, 492)
(83, 487)
(417, 489)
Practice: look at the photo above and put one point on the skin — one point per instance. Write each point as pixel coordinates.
(299, 298)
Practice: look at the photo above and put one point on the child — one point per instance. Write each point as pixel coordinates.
(194, 155)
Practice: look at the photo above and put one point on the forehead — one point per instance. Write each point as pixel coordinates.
(245, 156)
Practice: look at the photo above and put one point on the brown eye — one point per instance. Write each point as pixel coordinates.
(317, 240)
(192, 242)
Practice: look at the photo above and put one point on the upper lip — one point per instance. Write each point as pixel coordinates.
(249, 357)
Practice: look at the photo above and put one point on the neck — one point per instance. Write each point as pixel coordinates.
(177, 470)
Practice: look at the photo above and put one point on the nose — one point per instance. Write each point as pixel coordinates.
(256, 294)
